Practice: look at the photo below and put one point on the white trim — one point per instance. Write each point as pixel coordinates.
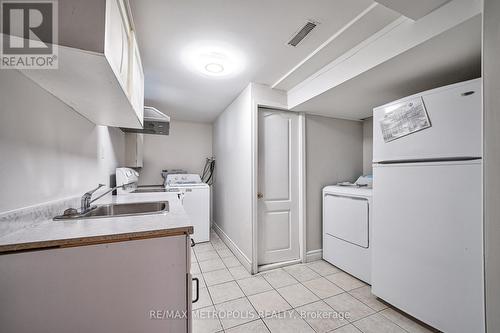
(269, 267)
(328, 41)
(318, 114)
(302, 187)
(314, 255)
(255, 185)
(233, 247)
(273, 103)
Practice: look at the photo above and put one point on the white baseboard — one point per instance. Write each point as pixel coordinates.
(314, 255)
(247, 263)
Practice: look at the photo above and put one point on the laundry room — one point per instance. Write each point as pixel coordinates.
(214, 166)
(187, 147)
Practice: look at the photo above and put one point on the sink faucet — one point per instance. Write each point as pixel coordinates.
(85, 206)
(87, 197)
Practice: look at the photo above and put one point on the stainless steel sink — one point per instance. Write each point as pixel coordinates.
(117, 210)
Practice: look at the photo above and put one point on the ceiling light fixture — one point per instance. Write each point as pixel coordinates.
(213, 59)
(214, 68)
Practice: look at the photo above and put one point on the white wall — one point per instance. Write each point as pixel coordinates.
(186, 147)
(232, 140)
(334, 153)
(235, 151)
(48, 151)
(368, 146)
(491, 76)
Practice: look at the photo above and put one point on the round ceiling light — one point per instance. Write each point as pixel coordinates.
(214, 68)
(213, 59)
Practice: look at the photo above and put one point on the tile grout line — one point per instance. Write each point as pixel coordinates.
(322, 299)
(292, 308)
(245, 295)
(377, 312)
(276, 290)
(359, 300)
(208, 290)
(251, 321)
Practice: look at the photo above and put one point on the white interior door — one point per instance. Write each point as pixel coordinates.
(278, 187)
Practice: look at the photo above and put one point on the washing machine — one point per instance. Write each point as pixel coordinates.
(195, 197)
(347, 212)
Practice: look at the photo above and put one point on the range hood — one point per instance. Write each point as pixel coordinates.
(155, 122)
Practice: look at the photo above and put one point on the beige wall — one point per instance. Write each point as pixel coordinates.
(186, 147)
(334, 153)
(491, 75)
(368, 146)
(48, 151)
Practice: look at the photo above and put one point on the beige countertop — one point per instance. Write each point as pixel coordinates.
(53, 234)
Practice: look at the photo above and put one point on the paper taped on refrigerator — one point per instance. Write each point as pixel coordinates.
(403, 119)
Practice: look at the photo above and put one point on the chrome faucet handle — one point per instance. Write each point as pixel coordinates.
(92, 191)
(124, 186)
(85, 202)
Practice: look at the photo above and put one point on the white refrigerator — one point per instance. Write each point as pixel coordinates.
(427, 257)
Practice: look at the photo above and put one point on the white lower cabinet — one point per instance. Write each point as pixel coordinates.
(131, 286)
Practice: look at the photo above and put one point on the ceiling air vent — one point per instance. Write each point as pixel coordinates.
(302, 33)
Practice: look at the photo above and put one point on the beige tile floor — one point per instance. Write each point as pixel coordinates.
(313, 297)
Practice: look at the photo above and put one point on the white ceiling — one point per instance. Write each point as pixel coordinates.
(413, 9)
(259, 29)
(451, 57)
(376, 18)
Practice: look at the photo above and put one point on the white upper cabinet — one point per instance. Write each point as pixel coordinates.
(100, 71)
(118, 42)
(136, 79)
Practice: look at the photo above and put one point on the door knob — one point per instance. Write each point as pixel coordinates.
(260, 195)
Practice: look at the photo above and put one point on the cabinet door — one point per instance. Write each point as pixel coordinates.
(115, 287)
(189, 287)
(117, 41)
(136, 80)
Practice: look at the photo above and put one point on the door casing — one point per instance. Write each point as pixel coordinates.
(302, 187)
